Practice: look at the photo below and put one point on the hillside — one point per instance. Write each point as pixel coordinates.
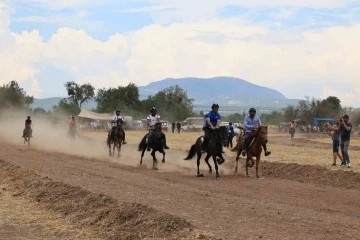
(231, 93)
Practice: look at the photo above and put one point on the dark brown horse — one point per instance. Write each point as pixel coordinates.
(27, 135)
(157, 144)
(259, 136)
(218, 138)
(292, 132)
(116, 139)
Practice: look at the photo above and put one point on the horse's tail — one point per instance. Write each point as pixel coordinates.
(191, 153)
(235, 148)
(142, 143)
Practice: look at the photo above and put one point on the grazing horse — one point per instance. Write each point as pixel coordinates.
(157, 144)
(259, 135)
(116, 139)
(27, 135)
(218, 138)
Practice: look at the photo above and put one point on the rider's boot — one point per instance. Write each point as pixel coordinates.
(204, 145)
(245, 146)
(123, 132)
(267, 153)
(165, 145)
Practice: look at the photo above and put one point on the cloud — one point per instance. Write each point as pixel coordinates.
(206, 47)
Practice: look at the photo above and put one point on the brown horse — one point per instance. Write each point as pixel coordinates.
(27, 135)
(292, 132)
(217, 138)
(259, 136)
(116, 139)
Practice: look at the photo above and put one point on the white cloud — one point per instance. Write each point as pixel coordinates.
(179, 50)
(35, 89)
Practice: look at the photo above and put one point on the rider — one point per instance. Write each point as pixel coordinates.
(292, 125)
(28, 123)
(114, 125)
(152, 119)
(72, 122)
(251, 121)
(213, 119)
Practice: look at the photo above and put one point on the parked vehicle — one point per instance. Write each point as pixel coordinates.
(193, 124)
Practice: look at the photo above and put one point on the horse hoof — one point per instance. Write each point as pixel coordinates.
(210, 172)
(200, 175)
(217, 178)
(163, 161)
(155, 168)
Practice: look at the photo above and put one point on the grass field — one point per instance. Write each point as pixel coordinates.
(304, 149)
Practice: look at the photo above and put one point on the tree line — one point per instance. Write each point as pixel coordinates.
(172, 103)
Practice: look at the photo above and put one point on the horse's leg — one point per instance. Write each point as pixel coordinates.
(238, 152)
(163, 160)
(216, 166)
(142, 155)
(154, 159)
(246, 165)
(119, 148)
(198, 164)
(109, 145)
(257, 165)
(207, 162)
(113, 152)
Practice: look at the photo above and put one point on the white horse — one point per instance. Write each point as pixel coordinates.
(238, 132)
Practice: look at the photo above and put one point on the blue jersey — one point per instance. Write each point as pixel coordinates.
(214, 117)
(231, 131)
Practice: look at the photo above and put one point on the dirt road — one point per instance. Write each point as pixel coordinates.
(235, 207)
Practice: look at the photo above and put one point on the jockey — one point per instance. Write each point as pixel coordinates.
(213, 119)
(292, 125)
(114, 125)
(28, 123)
(251, 121)
(72, 122)
(152, 119)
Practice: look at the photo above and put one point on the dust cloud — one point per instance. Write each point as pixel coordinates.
(52, 137)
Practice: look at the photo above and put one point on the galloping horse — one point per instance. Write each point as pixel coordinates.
(116, 139)
(157, 144)
(217, 138)
(27, 135)
(259, 136)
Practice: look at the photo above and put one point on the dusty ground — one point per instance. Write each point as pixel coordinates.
(301, 196)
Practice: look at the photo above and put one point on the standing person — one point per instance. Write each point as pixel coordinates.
(345, 129)
(178, 126)
(173, 126)
(336, 140)
(231, 135)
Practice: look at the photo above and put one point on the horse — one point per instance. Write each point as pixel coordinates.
(27, 135)
(259, 135)
(238, 132)
(72, 132)
(217, 138)
(292, 132)
(156, 145)
(116, 139)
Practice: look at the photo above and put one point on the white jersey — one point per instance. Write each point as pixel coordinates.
(153, 119)
(115, 118)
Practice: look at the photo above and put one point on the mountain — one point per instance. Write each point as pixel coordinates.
(232, 94)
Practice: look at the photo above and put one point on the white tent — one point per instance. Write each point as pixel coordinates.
(96, 116)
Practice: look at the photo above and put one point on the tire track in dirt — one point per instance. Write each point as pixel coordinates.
(235, 207)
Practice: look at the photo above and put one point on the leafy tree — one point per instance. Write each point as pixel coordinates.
(40, 111)
(12, 95)
(271, 118)
(66, 107)
(235, 118)
(171, 102)
(108, 100)
(201, 114)
(290, 113)
(79, 94)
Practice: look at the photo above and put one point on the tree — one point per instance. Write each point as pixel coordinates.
(290, 113)
(235, 118)
(108, 100)
(40, 111)
(66, 107)
(79, 94)
(271, 118)
(171, 102)
(12, 95)
(201, 114)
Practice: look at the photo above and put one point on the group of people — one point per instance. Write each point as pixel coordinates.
(213, 120)
(341, 138)
(177, 125)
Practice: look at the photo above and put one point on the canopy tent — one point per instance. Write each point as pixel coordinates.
(96, 116)
(316, 121)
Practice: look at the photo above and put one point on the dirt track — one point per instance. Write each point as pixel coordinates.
(236, 207)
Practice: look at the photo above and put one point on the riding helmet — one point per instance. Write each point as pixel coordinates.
(118, 110)
(252, 110)
(28, 116)
(152, 109)
(215, 105)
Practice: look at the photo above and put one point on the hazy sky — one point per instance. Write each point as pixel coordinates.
(297, 47)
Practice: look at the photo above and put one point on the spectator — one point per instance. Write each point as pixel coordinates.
(345, 132)
(336, 140)
(173, 126)
(230, 135)
(178, 126)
